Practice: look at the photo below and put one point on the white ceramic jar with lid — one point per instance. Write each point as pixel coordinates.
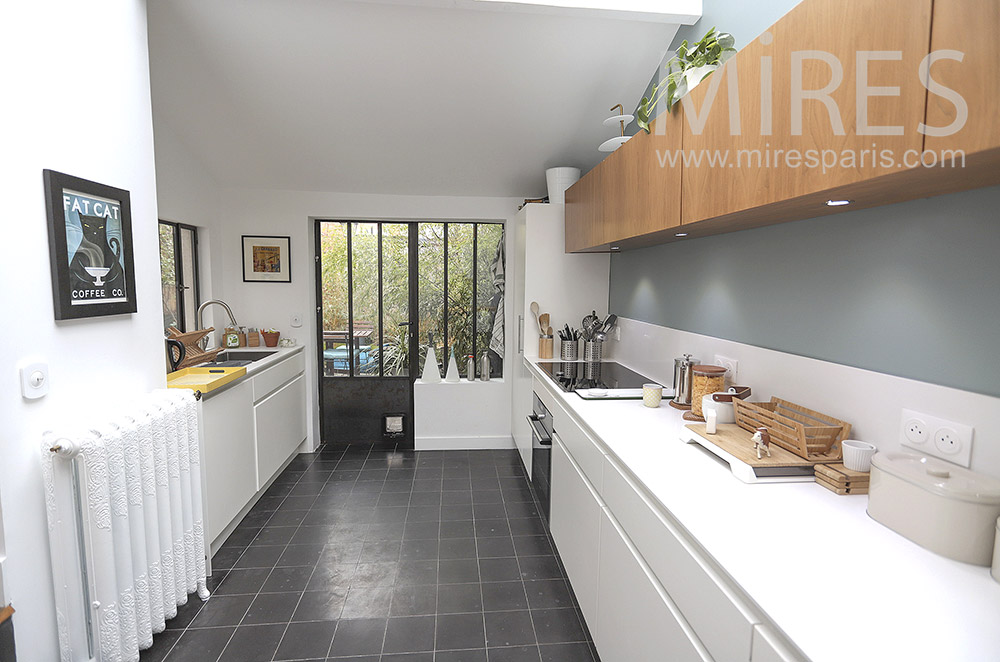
(943, 507)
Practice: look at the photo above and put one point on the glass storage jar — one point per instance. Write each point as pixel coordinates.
(708, 379)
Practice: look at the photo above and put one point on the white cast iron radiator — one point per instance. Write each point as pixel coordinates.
(126, 534)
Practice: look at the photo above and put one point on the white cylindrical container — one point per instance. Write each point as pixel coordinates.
(558, 180)
(996, 554)
(938, 505)
(858, 454)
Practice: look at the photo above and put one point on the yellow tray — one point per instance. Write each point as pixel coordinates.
(204, 379)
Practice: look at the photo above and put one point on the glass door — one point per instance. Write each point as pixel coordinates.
(387, 292)
(367, 340)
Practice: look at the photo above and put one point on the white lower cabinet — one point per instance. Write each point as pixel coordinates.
(230, 463)
(636, 620)
(575, 524)
(280, 421)
(707, 598)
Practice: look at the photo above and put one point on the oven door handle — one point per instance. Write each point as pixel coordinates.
(539, 431)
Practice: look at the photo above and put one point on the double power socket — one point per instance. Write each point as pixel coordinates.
(935, 436)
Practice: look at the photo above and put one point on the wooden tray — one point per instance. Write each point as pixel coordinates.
(738, 443)
(807, 433)
(837, 488)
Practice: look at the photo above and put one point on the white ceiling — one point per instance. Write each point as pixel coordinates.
(392, 96)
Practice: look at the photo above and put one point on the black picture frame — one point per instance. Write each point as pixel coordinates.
(90, 247)
(267, 258)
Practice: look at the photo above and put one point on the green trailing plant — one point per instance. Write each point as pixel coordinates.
(688, 67)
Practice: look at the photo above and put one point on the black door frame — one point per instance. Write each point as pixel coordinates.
(412, 302)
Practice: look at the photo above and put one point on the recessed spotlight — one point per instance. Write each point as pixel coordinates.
(681, 234)
(838, 203)
(616, 248)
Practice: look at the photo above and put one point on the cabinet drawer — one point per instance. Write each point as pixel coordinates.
(584, 450)
(271, 378)
(708, 600)
(636, 619)
(574, 520)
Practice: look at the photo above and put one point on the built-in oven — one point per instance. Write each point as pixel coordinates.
(541, 452)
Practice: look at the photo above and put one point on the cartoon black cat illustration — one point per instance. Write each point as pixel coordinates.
(95, 254)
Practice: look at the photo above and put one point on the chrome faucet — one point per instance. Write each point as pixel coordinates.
(201, 311)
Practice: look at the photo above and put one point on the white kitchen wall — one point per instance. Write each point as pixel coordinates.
(871, 401)
(76, 90)
(292, 213)
(187, 193)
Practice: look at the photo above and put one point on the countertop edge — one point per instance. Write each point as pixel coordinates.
(872, 576)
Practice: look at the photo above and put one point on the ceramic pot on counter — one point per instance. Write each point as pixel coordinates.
(721, 402)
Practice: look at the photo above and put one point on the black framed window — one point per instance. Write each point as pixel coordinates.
(179, 275)
(367, 270)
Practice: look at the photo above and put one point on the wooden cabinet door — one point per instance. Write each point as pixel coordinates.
(761, 167)
(634, 192)
(971, 27)
(575, 520)
(636, 619)
(583, 212)
(649, 198)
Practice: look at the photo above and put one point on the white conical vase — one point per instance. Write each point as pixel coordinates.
(431, 374)
(452, 375)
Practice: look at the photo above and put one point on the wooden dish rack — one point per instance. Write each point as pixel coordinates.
(807, 433)
(193, 353)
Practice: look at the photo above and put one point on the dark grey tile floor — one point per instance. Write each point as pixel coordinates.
(366, 555)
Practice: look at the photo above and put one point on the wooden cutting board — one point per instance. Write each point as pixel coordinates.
(838, 473)
(737, 442)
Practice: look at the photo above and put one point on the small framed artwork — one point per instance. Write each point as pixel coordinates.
(266, 260)
(90, 247)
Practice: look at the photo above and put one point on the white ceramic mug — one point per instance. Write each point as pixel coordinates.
(652, 394)
(858, 454)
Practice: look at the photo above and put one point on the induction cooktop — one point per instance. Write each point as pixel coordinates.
(606, 380)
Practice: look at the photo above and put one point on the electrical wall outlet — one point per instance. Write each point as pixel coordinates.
(732, 365)
(936, 436)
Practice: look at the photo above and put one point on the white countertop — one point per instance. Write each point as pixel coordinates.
(280, 354)
(839, 584)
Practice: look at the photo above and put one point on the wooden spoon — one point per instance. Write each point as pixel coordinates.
(543, 324)
(534, 311)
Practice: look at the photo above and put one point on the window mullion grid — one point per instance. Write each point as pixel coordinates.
(381, 318)
(350, 300)
(444, 348)
(475, 293)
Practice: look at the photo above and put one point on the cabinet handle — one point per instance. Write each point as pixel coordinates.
(520, 334)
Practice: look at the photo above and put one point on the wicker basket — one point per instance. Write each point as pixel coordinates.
(807, 433)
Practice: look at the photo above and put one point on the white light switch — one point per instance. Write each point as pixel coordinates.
(296, 320)
(34, 380)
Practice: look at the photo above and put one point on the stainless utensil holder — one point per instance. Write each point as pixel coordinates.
(593, 350)
(569, 350)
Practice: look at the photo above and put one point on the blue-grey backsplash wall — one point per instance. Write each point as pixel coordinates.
(911, 289)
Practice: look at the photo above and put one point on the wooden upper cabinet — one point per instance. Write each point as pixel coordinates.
(779, 160)
(972, 28)
(634, 192)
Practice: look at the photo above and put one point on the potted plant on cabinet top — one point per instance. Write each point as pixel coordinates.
(688, 67)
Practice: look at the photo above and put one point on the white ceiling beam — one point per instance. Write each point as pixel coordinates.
(677, 12)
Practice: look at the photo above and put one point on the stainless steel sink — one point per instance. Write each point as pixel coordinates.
(237, 359)
(245, 356)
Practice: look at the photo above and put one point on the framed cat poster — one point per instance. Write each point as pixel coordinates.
(266, 260)
(90, 247)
